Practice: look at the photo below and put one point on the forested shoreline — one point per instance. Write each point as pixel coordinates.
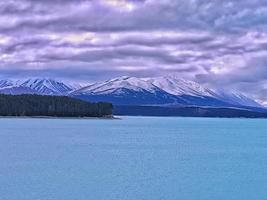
(53, 106)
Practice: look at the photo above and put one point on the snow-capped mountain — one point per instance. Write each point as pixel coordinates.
(112, 86)
(164, 91)
(34, 86)
(177, 86)
(5, 83)
(170, 85)
(168, 90)
(236, 98)
(47, 86)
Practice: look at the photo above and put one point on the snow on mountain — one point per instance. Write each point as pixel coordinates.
(236, 98)
(176, 91)
(113, 85)
(47, 86)
(124, 90)
(177, 86)
(5, 83)
(168, 90)
(76, 85)
(35, 86)
(169, 84)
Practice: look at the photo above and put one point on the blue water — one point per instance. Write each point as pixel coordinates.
(136, 158)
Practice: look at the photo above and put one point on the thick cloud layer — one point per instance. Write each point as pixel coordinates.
(215, 42)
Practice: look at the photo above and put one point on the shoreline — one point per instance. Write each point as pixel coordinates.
(119, 117)
(56, 117)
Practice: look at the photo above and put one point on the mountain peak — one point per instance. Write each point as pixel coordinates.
(44, 86)
(120, 78)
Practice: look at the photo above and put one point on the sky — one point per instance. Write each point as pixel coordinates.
(218, 43)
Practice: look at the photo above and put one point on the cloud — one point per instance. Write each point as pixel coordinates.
(218, 43)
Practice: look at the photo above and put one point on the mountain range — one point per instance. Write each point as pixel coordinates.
(168, 91)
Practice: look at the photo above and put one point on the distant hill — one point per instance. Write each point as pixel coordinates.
(188, 112)
(55, 106)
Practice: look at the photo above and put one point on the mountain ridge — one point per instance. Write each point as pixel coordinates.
(179, 91)
(126, 90)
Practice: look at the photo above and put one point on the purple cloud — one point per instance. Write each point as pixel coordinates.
(218, 43)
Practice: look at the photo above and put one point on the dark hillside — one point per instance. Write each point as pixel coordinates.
(188, 111)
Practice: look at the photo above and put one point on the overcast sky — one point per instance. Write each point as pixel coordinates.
(219, 43)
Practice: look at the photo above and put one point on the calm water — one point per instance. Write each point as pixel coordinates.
(133, 159)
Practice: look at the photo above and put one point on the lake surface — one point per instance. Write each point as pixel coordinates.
(136, 158)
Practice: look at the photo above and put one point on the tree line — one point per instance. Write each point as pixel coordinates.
(56, 106)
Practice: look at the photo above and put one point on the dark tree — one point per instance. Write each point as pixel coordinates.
(57, 106)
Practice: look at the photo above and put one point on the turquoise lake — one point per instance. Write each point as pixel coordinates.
(135, 158)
